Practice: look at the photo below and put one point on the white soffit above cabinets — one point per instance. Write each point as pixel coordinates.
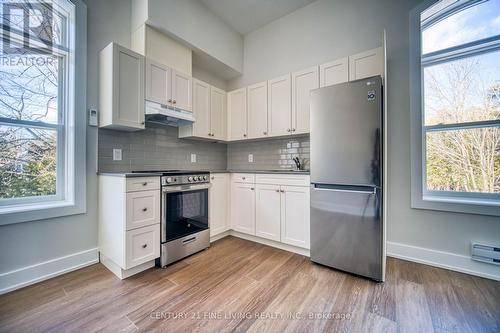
(246, 16)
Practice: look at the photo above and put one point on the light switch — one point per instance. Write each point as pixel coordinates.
(117, 154)
(250, 158)
(193, 158)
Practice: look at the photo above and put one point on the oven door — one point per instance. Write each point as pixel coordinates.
(184, 211)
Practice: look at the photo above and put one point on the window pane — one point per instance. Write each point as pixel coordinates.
(473, 23)
(29, 87)
(462, 91)
(27, 162)
(465, 160)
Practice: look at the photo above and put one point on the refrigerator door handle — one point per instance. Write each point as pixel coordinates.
(372, 190)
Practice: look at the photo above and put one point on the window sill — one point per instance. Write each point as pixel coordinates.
(457, 205)
(39, 211)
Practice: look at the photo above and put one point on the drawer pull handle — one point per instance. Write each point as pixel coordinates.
(145, 183)
(145, 246)
(145, 209)
(189, 240)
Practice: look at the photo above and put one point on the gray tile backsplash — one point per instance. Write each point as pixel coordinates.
(159, 148)
(271, 154)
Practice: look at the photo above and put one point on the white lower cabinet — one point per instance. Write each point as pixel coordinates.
(129, 223)
(295, 207)
(243, 207)
(267, 211)
(272, 206)
(218, 201)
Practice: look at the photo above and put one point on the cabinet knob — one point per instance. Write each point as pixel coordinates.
(244, 135)
(212, 177)
(243, 178)
(142, 123)
(144, 209)
(252, 188)
(293, 129)
(170, 100)
(174, 101)
(145, 183)
(144, 246)
(265, 133)
(282, 191)
(278, 191)
(288, 130)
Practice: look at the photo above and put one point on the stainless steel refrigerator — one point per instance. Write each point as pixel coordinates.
(346, 177)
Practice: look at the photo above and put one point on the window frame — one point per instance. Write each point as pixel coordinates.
(421, 198)
(70, 198)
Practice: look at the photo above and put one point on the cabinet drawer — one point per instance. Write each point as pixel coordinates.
(244, 178)
(143, 209)
(290, 180)
(143, 184)
(143, 244)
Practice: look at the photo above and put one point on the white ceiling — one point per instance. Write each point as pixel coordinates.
(245, 16)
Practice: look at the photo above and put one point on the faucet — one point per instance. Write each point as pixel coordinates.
(297, 163)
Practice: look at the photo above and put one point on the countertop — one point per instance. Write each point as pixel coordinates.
(152, 174)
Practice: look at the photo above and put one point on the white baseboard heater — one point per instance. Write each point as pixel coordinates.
(486, 253)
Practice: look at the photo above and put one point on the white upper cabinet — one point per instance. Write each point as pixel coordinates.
(201, 108)
(237, 114)
(295, 216)
(168, 86)
(267, 211)
(121, 88)
(302, 83)
(366, 64)
(181, 90)
(218, 114)
(257, 110)
(158, 82)
(279, 100)
(334, 72)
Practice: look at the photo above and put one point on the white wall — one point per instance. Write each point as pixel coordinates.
(330, 29)
(192, 22)
(33, 243)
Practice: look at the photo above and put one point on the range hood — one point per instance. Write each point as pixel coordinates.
(167, 115)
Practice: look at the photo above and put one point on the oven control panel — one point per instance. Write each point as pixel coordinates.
(185, 179)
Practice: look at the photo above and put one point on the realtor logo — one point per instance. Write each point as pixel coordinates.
(371, 95)
(27, 27)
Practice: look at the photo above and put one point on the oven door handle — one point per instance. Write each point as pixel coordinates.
(185, 188)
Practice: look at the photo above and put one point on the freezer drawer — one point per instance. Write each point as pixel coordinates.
(346, 230)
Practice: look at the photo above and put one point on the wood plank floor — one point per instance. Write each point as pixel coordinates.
(238, 285)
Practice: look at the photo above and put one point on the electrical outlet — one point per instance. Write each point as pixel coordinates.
(117, 154)
(193, 158)
(250, 158)
(93, 117)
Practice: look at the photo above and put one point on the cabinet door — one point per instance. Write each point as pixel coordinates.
(158, 78)
(257, 110)
(218, 115)
(128, 91)
(201, 109)
(366, 64)
(237, 114)
(295, 216)
(181, 90)
(267, 211)
(218, 200)
(279, 118)
(302, 83)
(243, 208)
(334, 72)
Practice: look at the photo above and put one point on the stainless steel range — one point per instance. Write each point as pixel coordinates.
(184, 214)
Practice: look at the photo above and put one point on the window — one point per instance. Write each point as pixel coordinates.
(38, 107)
(458, 113)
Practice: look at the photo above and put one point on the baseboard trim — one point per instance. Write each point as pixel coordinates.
(32, 274)
(278, 245)
(447, 260)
